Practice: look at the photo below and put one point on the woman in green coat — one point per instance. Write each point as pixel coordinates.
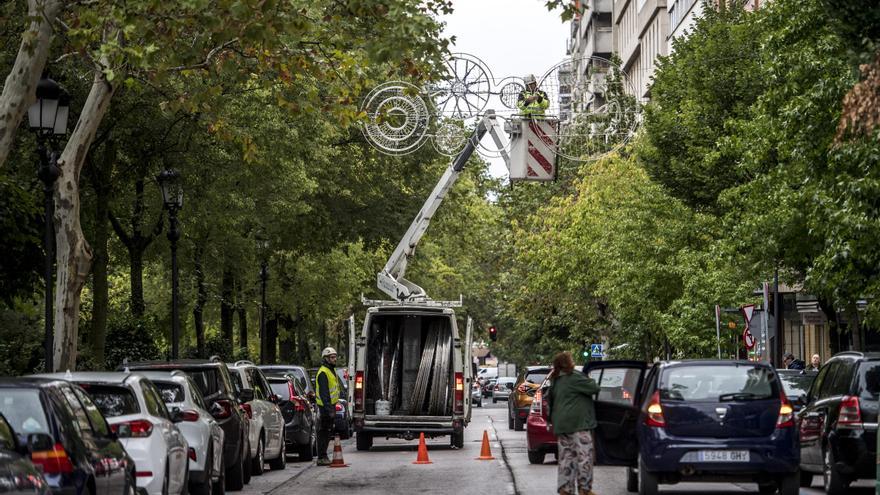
(573, 417)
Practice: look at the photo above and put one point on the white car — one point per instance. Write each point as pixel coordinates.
(201, 430)
(267, 424)
(136, 413)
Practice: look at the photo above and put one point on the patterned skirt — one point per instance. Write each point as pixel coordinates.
(575, 462)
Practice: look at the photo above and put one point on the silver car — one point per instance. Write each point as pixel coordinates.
(266, 424)
(201, 430)
(502, 388)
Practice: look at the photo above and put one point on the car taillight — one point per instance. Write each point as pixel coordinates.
(655, 412)
(535, 408)
(298, 405)
(53, 461)
(850, 414)
(359, 391)
(221, 409)
(786, 414)
(139, 428)
(338, 407)
(459, 393)
(189, 415)
(248, 410)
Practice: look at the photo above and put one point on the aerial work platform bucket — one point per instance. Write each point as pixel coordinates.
(533, 142)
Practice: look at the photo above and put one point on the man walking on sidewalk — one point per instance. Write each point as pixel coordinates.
(327, 385)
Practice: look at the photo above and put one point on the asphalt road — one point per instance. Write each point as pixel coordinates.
(387, 469)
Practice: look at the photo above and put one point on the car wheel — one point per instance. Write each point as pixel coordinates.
(363, 440)
(304, 452)
(647, 481)
(130, 484)
(519, 424)
(235, 478)
(220, 485)
(790, 484)
(632, 480)
(767, 488)
(246, 463)
(280, 462)
(165, 481)
(258, 466)
(834, 483)
(536, 457)
(494, 400)
(184, 487)
(207, 486)
(806, 479)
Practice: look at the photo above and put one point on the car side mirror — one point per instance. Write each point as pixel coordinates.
(176, 415)
(37, 442)
(246, 395)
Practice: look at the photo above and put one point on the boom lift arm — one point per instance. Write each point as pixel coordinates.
(390, 280)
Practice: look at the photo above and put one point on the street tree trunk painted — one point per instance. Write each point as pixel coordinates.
(201, 298)
(19, 90)
(73, 254)
(100, 179)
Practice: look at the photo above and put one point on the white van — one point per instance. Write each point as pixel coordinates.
(487, 374)
(412, 374)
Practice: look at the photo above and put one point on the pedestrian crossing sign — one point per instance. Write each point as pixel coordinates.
(597, 350)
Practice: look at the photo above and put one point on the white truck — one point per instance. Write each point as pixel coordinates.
(412, 371)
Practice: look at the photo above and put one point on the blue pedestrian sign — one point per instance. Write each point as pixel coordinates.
(597, 350)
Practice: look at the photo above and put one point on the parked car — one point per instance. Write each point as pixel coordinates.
(342, 421)
(540, 439)
(67, 437)
(796, 384)
(477, 395)
(267, 423)
(201, 430)
(502, 388)
(300, 421)
(215, 383)
(520, 400)
(18, 475)
(137, 414)
(838, 424)
(700, 420)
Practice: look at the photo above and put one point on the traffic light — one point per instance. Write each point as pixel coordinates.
(493, 333)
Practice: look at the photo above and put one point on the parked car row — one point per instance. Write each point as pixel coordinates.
(152, 428)
(712, 420)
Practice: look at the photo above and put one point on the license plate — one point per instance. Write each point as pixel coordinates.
(723, 456)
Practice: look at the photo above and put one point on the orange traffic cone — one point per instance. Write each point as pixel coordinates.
(337, 454)
(485, 452)
(423, 451)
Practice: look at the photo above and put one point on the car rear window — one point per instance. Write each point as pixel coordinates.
(170, 392)
(869, 380)
(113, 401)
(718, 383)
(280, 389)
(536, 377)
(24, 411)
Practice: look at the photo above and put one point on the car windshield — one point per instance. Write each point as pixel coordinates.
(717, 383)
(24, 411)
(796, 384)
(170, 392)
(113, 401)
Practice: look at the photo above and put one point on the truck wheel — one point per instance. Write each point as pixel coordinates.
(536, 457)
(364, 440)
(457, 440)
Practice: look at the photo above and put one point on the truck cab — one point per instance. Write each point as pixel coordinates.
(412, 374)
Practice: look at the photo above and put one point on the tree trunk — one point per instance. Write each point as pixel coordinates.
(271, 338)
(241, 308)
(287, 341)
(201, 299)
(19, 90)
(227, 306)
(853, 324)
(73, 255)
(303, 355)
(101, 299)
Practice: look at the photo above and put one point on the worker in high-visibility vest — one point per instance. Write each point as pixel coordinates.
(327, 395)
(532, 101)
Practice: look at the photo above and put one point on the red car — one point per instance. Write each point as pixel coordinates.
(540, 439)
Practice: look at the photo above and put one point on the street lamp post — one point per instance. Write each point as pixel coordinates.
(172, 200)
(47, 117)
(263, 246)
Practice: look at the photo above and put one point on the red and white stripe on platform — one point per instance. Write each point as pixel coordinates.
(533, 151)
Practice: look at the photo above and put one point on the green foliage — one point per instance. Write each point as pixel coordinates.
(132, 339)
(21, 240)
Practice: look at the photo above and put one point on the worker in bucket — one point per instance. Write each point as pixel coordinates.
(327, 396)
(532, 101)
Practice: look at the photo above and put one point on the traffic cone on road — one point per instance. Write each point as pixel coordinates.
(423, 451)
(485, 452)
(337, 455)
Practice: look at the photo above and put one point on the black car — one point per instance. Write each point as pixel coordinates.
(67, 437)
(796, 384)
(18, 475)
(838, 424)
(213, 379)
(300, 422)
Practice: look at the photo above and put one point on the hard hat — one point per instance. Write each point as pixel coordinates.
(530, 79)
(328, 352)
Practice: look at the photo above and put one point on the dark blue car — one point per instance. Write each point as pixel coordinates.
(696, 421)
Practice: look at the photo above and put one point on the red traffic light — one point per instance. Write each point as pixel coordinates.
(493, 333)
